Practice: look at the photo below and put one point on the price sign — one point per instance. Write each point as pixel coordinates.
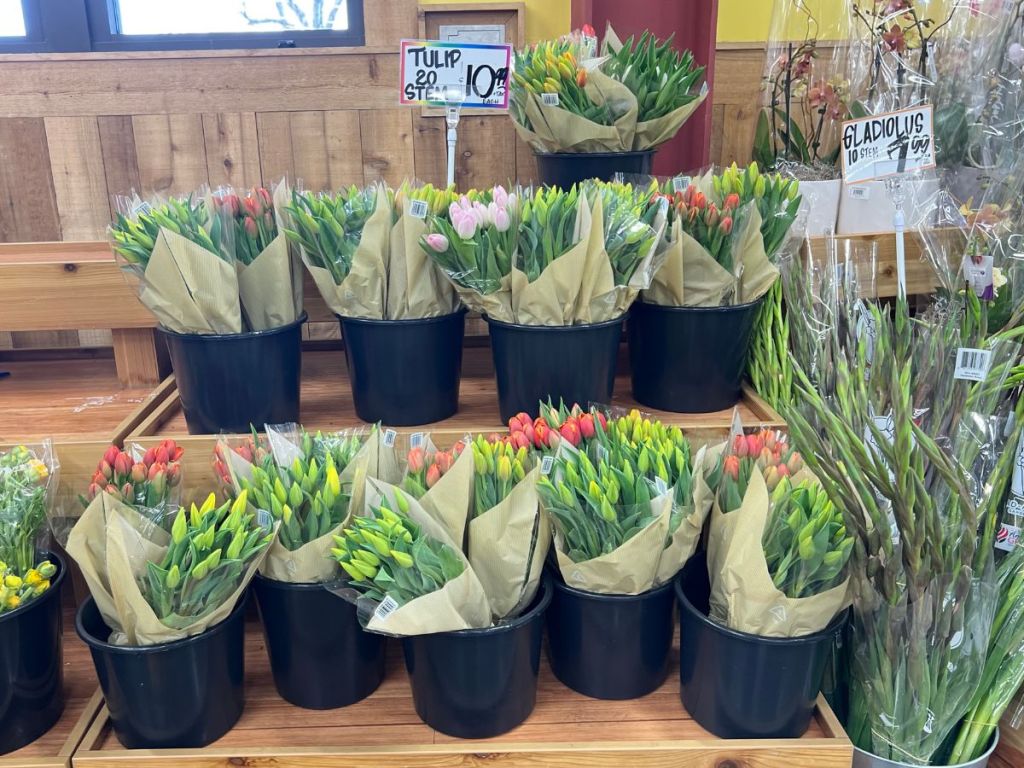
(888, 144)
(475, 75)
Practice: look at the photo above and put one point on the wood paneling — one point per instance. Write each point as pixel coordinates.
(79, 178)
(120, 161)
(388, 149)
(28, 205)
(320, 150)
(171, 152)
(232, 149)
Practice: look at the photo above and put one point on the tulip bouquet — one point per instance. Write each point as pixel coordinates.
(636, 97)
(776, 197)
(146, 480)
(251, 449)
(441, 481)
(182, 252)
(26, 480)
(778, 547)
(343, 240)
(475, 244)
(403, 571)
(205, 564)
(545, 432)
(507, 536)
(427, 466)
(269, 278)
(308, 483)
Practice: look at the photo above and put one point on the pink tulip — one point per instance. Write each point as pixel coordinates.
(465, 225)
(502, 221)
(500, 196)
(437, 242)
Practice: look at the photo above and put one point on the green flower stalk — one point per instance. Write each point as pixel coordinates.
(210, 550)
(23, 481)
(134, 235)
(662, 78)
(770, 369)
(777, 199)
(627, 215)
(329, 226)
(388, 555)
(547, 228)
(308, 497)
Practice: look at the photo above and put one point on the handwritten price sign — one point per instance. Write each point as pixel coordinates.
(473, 74)
(888, 144)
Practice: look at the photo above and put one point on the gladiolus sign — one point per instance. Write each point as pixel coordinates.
(473, 74)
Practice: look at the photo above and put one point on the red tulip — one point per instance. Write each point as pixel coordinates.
(570, 430)
(174, 474)
(540, 434)
(264, 195)
(106, 470)
(122, 464)
(149, 457)
(725, 225)
(433, 475)
(589, 31)
(162, 456)
(415, 459)
(732, 202)
(586, 422)
(250, 227)
(519, 440)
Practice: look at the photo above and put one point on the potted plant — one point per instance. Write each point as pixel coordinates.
(216, 272)
(592, 118)
(319, 655)
(397, 312)
(627, 516)
(704, 298)
(31, 624)
(553, 272)
(805, 104)
(758, 621)
(166, 620)
(471, 624)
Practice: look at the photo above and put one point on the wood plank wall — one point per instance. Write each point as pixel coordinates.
(76, 130)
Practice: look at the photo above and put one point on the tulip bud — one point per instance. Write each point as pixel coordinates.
(725, 225)
(403, 559)
(211, 503)
(47, 569)
(587, 428)
(443, 460)
(795, 463)
(127, 492)
(173, 577)
(110, 455)
(122, 465)
(161, 455)
(433, 475)
(504, 469)
(772, 478)
(139, 473)
(570, 430)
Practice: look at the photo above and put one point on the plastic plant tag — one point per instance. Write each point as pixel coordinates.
(978, 273)
(549, 99)
(972, 364)
(416, 439)
(1008, 537)
(418, 209)
(389, 438)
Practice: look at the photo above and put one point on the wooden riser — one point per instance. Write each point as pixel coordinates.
(565, 729)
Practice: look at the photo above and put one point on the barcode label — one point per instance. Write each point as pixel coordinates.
(142, 208)
(549, 99)
(680, 183)
(387, 606)
(1008, 537)
(418, 209)
(264, 519)
(972, 364)
(860, 193)
(546, 464)
(389, 437)
(416, 439)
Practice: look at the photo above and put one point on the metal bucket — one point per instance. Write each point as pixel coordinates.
(862, 759)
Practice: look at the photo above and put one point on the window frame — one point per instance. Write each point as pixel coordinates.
(74, 26)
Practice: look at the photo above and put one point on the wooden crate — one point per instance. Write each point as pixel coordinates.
(327, 403)
(83, 701)
(565, 729)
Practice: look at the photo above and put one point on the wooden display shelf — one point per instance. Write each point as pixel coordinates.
(327, 403)
(69, 399)
(383, 731)
(83, 701)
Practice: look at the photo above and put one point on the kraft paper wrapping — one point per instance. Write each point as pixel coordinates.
(596, 302)
(742, 593)
(112, 544)
(682, 543)
(553, 297)
(497, 305)
(449, 501)
(507, 547)
(363, 292)
(629, 570)
(416, 287)
(758, 273)
(190, 289)
(459, 604)
(270, 288)
(554, 129)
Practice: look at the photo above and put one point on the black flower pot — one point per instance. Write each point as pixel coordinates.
(478, 683)
(405, 372)
(319, 654)
(610, 646)
(563, 169)
(742, 686)
(31, 666)
(574, 363)
(228, 382)
(180, 695)
(690, 359)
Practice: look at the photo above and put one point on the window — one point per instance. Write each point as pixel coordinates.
(135, 25)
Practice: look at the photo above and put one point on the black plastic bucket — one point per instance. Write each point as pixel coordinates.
(31, 666)
(575, 363)
(478, 683)
(405, 372)
(229, 382)
(741, 686)
(319, 654)
(563, 169)
(689, 359)
(611, 646)
(179, 695)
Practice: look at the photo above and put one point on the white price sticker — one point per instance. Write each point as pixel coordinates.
(389, 437)
(418, 209)
(264, 519)
(549, 99)
(680, 183)
(546, 464)
(416, 439)
(860, 193)
(141, 208)
(387, 606)
(972, 364)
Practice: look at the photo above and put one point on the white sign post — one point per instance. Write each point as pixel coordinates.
(887, 146)
(455, 76)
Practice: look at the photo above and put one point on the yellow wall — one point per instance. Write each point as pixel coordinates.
(544, 18)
